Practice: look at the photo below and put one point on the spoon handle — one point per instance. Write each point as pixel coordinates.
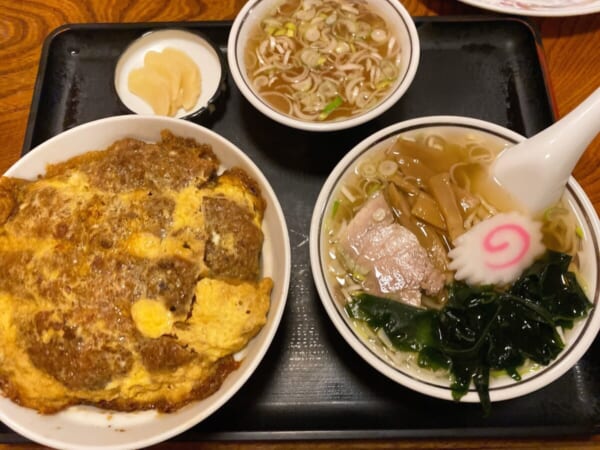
(566, 140)
(550, 156)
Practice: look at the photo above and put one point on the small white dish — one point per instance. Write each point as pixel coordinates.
(86, 428)
(398, 20)
(424, 381)
(203, 52)
(541, 8)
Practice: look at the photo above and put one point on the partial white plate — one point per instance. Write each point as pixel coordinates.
(87, 428)
(541, 8)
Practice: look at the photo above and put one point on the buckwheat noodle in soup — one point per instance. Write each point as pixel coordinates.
(441, 271)
(320, 60)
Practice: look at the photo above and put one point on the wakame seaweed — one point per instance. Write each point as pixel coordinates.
(482, 328)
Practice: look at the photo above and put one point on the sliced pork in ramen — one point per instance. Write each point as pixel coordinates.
(387, 256)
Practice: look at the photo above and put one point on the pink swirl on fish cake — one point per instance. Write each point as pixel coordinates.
(492, 248)
(496, 250)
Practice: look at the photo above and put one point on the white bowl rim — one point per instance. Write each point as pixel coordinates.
(269, 331)
(546, 375)
(388, 102)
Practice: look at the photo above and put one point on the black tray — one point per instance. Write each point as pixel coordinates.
(311, 384)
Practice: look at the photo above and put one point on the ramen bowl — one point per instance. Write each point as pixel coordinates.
(402, 366)
(84, 427)
(310, 63)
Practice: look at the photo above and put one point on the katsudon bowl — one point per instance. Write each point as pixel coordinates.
(389, 167)
(83, 427)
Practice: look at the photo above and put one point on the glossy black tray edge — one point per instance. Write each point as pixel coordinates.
(350, 435)
(311, 434)
(33, 113)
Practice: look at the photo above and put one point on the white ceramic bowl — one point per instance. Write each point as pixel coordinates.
(204, 53)
(399, 20)
(91, 428)
(502, 388)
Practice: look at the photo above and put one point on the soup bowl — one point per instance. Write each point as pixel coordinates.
(402, 366)
(247, 22)
(84, 427)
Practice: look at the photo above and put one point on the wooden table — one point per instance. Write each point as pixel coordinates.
(572, 50)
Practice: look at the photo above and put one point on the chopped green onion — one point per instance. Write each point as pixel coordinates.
(357, 276)
(368, 170)
(330, 107)
(387, 167)
(547, 214)
(579, 232)
(372, 187)
(334, 208)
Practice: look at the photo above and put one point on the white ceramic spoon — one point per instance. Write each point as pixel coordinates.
(536, 170)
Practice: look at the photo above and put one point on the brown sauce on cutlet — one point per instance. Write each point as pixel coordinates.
(77, 360)
(164, 354)
(94, 236)
(233, 250)
(130, 164)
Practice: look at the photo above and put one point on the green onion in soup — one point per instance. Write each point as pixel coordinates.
(320, 60)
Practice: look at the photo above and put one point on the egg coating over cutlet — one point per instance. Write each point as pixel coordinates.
(118, 269)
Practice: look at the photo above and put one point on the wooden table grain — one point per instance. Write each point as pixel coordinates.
(572, 51)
